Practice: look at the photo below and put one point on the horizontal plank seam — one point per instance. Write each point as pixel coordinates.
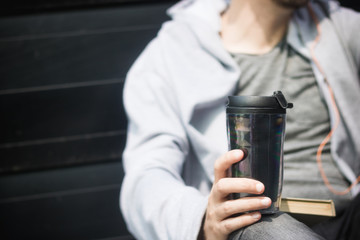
(78, 33)
(60, 193)
(87, 136)
(61, 86)
(82, 5)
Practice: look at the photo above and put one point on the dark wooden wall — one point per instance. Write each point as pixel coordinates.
(62, 123)
(62, 76)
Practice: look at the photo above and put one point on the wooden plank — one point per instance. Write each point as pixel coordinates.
(69, 59)
(18, 7)
(42, 184)
(89, 215)
(67, 203)
(84, 21)
(60, 113)
(64, 153)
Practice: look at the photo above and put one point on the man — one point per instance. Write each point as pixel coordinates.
(175, 185)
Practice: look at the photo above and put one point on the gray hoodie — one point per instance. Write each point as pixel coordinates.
(175, 96)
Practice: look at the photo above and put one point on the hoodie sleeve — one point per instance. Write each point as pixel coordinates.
(155, 202)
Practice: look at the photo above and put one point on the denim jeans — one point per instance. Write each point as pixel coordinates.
(280, 226)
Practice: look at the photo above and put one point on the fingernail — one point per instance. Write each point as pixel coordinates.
(266, 201)
(259, 187)
(237, 154)
(256, 215)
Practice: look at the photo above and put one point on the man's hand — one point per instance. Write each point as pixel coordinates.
(219, 219)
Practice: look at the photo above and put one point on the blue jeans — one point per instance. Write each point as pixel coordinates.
(280, 226)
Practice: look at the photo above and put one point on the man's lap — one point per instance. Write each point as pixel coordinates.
(277, 226)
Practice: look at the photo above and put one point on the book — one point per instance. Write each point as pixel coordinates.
(308, 206)
(309, 211)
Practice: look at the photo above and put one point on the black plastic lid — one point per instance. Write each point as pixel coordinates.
(258, 104)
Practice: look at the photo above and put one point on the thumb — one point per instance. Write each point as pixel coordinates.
(224, 162)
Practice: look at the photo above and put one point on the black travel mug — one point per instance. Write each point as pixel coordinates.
(256, 125)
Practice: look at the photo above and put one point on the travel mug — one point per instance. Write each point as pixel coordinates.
(256, 125)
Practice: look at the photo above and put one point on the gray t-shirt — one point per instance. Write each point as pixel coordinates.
(307, 123)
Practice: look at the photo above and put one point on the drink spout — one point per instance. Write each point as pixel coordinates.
(281, 100)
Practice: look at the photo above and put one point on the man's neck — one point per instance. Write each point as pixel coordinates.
(253, 26)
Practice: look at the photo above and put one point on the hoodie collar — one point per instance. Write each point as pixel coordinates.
(204, 19)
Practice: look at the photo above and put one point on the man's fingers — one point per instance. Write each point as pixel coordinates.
(225, 186)
(223, 163)
(231, 224)
(241, 205)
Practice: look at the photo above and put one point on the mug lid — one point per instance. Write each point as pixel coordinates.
(276, 102)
